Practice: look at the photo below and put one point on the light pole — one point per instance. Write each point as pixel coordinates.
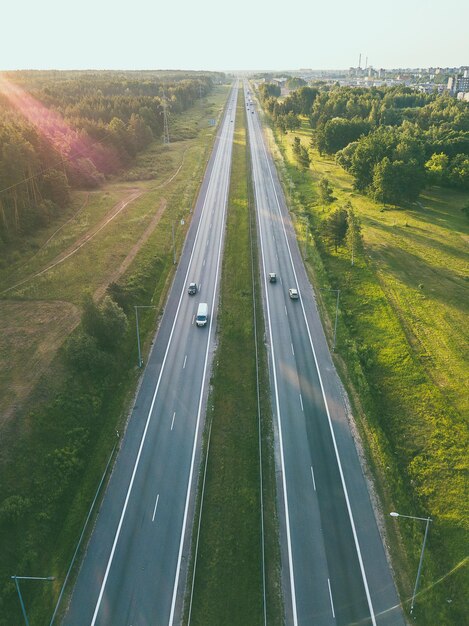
(337, 291)
(16, 579)
(174, 245)
(140, 360)
(423, 519)
(306, 233)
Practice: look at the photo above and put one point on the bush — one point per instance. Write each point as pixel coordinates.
(84, 356)
(107, 323)
(13, 508)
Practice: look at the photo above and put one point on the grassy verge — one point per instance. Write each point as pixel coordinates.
(228, 585)
(402, 340)
(55, 447)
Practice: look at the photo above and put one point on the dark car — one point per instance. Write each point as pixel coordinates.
(272, 277)
(192, 290)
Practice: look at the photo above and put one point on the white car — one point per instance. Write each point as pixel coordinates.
(293, 293)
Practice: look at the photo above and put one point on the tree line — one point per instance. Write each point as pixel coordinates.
(72, 129)
(393, 140)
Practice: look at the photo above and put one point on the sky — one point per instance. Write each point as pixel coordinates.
(241, 35)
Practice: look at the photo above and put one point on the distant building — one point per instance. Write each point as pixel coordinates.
(458, 84)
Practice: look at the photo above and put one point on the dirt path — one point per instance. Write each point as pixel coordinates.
(83, 239)
(33, 331)
(89, 235)
(100, 291)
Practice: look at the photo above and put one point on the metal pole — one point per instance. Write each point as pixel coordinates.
(16, 578)
(21, 600)
(174, 246)
(138, 338)
(420, 564)
(335, 323)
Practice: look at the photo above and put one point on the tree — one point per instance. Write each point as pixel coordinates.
(140, 133)
(56, 187)
(437, 168)
(114, 324)
(370, 150)
(345, 156)
(295, 83)
(396, 181)
(107, 322)
(296, 146)
(353, 231)
(84, 356)
(304, 159)
(325, 192)
(459, 171)
(334, 227)
(339, 132)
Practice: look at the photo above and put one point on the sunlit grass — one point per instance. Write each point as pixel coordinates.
(402, 351)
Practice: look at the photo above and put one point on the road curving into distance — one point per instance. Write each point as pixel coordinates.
(333, 561)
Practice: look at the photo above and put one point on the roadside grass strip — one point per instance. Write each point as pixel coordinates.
(402, 355)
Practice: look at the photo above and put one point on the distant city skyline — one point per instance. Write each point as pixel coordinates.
(249, 35)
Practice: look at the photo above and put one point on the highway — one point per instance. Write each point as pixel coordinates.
(134, 570)
(333, 562)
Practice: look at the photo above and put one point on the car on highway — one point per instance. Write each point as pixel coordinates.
(272, 277)
(192, 289)
(202, 314)
(293, 293)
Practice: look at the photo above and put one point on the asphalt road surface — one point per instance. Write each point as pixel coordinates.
(333, 562)
(134, 570)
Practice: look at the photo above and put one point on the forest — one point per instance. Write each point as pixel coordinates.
(65, 130)
(394, 141)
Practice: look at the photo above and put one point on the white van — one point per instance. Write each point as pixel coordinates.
(202, 314)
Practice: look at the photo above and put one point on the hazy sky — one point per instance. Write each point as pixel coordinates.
(246, 34)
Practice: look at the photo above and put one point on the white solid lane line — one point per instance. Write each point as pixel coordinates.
(172, 421)
(217, 160)
(330, 596)
(229, 137)
(312, 476)
(329, 419)
(154, 510)
(276, 390)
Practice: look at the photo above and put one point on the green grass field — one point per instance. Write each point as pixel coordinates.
(228, 578)
(56, 442)
(402, 352)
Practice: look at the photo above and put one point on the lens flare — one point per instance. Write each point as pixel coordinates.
(69, 142)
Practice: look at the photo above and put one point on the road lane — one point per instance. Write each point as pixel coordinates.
(134, 569)
(338, 573)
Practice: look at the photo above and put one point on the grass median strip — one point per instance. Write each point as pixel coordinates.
(228, 583)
